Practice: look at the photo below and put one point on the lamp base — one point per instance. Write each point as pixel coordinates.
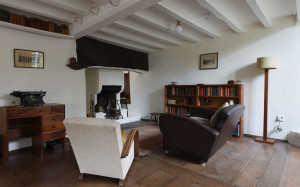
(268, 140)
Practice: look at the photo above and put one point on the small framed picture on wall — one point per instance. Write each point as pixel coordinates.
(209, 61)
(28, 59)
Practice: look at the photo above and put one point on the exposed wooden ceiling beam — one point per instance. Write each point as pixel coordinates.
(225, 15)
(147, 18)
(107, 15)
(39, 8)
(100, 2)
(148, 31)
(76, 6)
(120, 42)
(260, 12)
(110, 30)
(298, 9)
(178, 13)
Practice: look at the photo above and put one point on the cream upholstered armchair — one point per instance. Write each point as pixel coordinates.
(98, 147)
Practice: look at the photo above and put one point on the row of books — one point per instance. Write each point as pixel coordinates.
(181, 91)
(32, 22)
(226, 91)
(178, 110)
(236, 131)
(186, 101)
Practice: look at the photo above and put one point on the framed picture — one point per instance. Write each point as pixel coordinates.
(28, 59)
(209, 61)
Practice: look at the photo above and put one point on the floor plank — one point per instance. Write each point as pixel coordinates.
(179, 172)
(274, 170)
(234, 161)
(251, 175)
(290, 176)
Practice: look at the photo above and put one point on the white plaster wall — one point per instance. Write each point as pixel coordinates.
(111, 77)
(98, 77)
(62, 84)
(237, 60)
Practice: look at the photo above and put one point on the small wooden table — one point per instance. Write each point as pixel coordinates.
(156, 115)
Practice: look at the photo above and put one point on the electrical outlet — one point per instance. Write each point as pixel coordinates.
(280, 118)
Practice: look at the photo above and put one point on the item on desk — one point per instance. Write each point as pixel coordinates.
(30, 98)
(173, 83)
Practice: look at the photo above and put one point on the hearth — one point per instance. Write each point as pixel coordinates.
(107, 102)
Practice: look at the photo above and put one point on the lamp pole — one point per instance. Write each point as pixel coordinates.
(266, 63)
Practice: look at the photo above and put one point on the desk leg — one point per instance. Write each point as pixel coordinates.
(37, 143)
(5, 150)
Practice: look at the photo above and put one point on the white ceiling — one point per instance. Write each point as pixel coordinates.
(148, 25)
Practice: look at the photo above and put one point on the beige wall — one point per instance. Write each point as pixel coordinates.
(62, 84)
(237, 58)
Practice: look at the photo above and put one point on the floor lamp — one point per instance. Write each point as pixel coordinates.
(266, 63)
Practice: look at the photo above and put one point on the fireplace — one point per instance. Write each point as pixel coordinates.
(107, 102)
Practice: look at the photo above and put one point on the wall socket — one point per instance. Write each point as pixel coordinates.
(280, 118)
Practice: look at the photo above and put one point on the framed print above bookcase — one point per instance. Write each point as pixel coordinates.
(209, 61)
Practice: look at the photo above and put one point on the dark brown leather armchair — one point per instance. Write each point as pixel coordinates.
(196, 137)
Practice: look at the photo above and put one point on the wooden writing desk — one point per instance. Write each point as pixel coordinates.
(42, 123)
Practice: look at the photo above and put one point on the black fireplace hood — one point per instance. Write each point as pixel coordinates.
(91, 52)
(111, 89)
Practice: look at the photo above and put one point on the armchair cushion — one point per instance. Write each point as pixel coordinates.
(201, 120)
(226, 104)
(202, 112)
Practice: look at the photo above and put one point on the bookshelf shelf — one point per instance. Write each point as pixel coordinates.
(180, 99)
(36, 31)
(181, 95)
(180, 105)
(225, 97)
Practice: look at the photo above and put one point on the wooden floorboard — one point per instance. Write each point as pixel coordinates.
(240, 162)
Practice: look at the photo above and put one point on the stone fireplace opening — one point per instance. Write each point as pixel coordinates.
(107, 102)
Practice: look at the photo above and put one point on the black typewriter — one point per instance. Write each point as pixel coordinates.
(30, 98)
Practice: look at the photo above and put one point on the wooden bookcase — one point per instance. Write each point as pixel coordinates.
(180, 99)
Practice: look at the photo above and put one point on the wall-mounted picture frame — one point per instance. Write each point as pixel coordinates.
(28, 59)
(209, 61)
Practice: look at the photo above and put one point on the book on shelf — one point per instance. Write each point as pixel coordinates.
(4, 15)
(186, 101)
(236, 131)
(180, 90)
(39, 24)
(52, 26)
(18, 19)
(62, 29)
(178, 110)
(171, 101)
(226, 91)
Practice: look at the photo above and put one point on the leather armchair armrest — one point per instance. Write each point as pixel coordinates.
(132, 136)
(202, 112)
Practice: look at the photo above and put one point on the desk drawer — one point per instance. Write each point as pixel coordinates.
(55, 109)
(54, 118)
(53, 126)
(28, 112)
(47, 136)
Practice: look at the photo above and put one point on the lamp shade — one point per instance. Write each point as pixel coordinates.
(267, 62)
